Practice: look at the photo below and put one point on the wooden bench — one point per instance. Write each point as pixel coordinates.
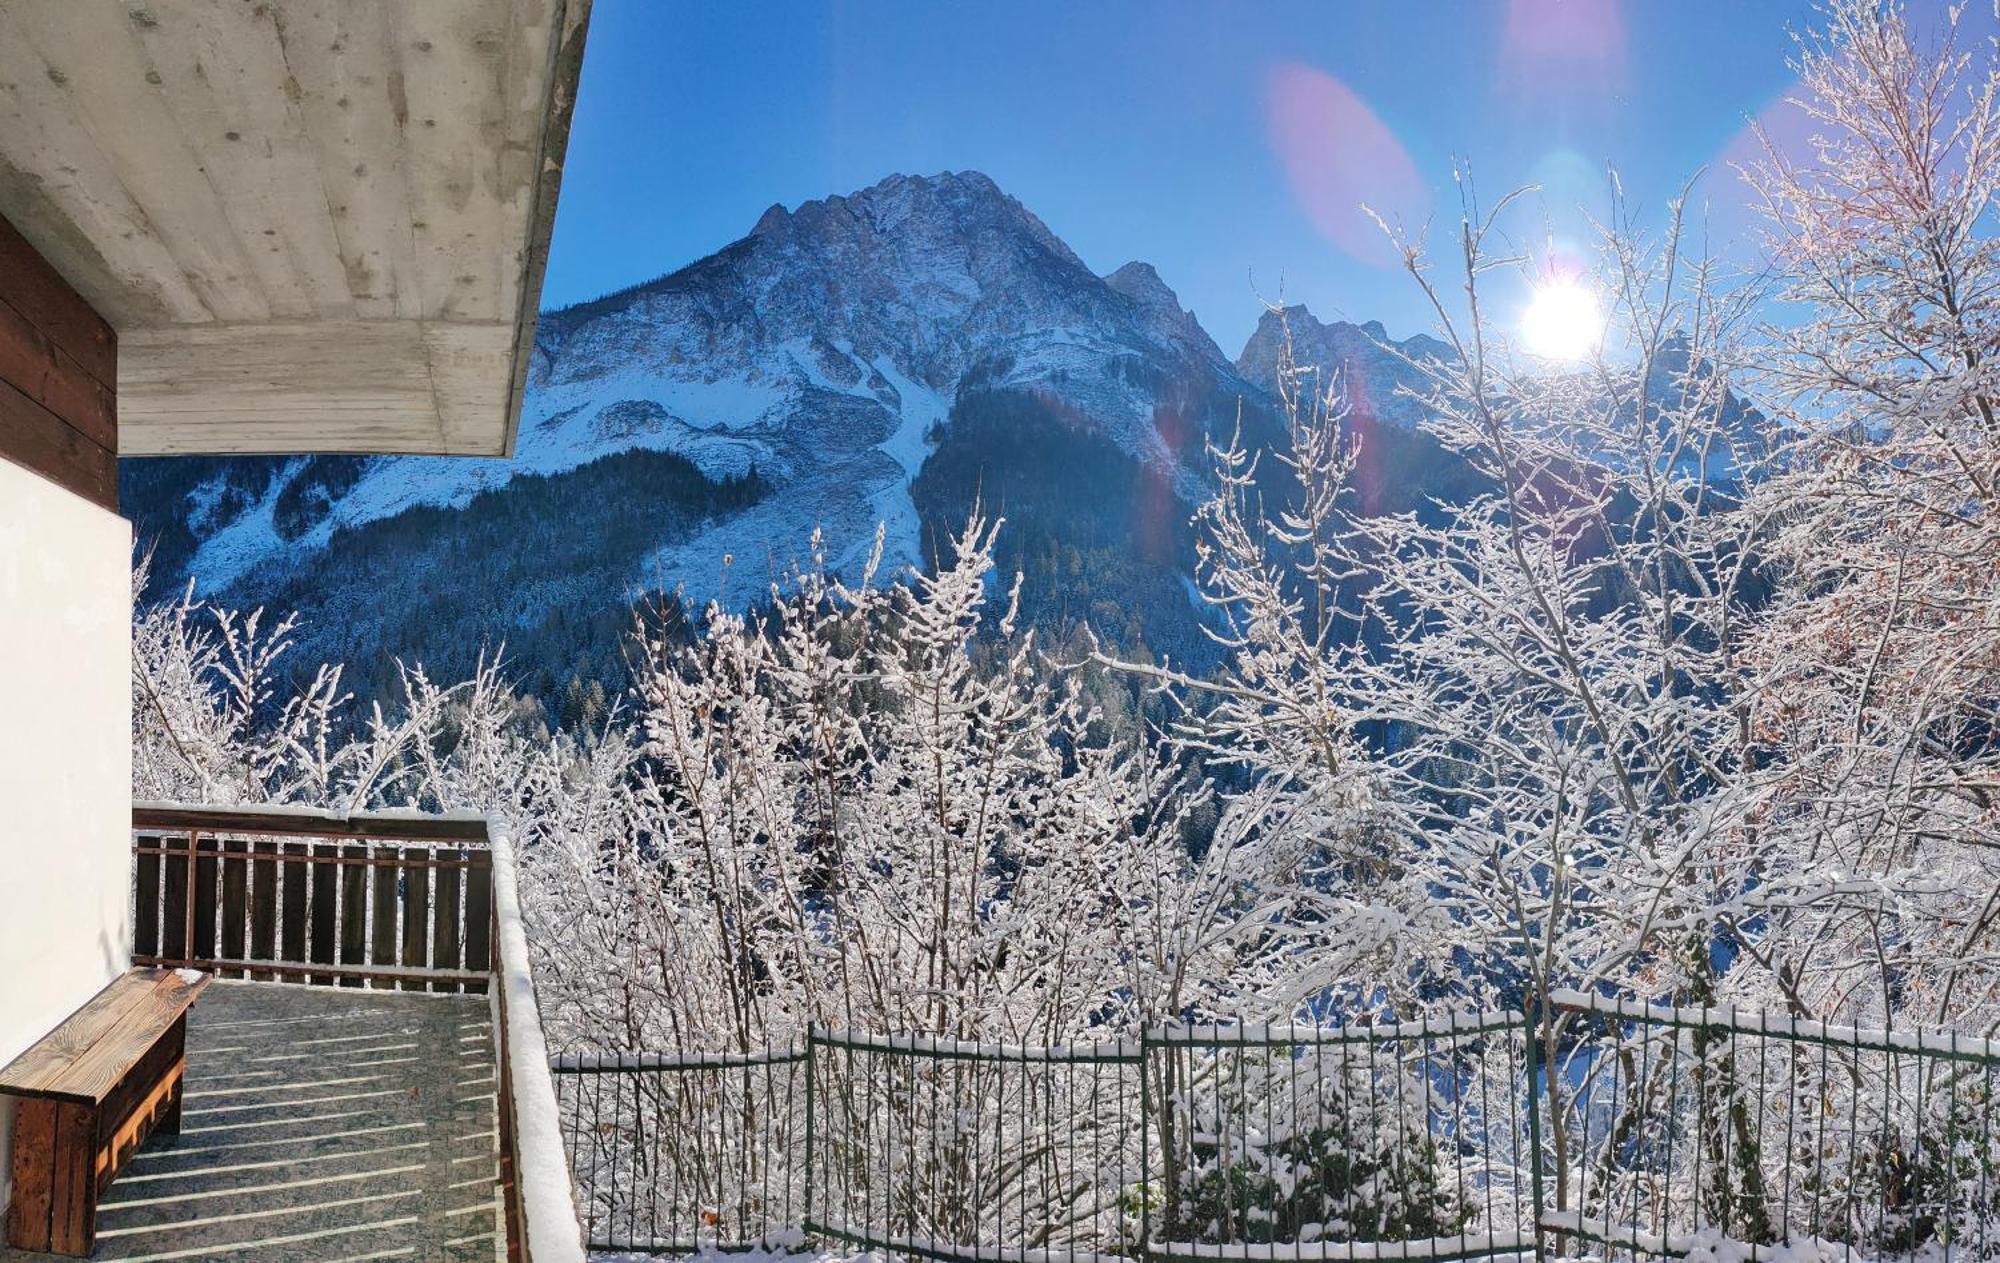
(86, 1096)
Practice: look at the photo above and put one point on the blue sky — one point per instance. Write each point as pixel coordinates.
(1227, 144)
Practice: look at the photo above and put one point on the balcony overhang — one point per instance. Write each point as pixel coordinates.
(314, 225)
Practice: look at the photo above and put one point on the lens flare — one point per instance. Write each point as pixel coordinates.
(1563, 321)
(1554, 50)
(1337, 155)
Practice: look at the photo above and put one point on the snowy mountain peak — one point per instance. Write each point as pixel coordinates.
(915, 208)
(1140, 281)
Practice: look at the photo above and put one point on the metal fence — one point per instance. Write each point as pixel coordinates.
(1590, 1127)
(674, 1153)
(1675, 1128)
(1339, 1142)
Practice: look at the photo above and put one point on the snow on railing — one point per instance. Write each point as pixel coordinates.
(375, 822)
(542, 1206)
(1932, 1043)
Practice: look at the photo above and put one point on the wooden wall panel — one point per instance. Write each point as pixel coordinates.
(58, 377)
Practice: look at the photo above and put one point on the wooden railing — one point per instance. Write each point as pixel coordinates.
(385, 898)
(378, 899)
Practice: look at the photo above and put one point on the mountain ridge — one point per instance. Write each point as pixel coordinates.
(804, 376)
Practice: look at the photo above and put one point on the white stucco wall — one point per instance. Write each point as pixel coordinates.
(65, 758)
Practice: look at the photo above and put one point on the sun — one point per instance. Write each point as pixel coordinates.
(1562, 321)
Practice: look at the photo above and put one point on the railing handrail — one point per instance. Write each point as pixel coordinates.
(387, 824)
(541, 1194)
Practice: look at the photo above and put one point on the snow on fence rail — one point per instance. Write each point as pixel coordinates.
(1618, 1126)
(1430, 1249)
(1237, 1035)
(1933, 1042)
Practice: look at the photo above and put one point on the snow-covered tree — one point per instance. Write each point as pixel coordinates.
(1878, 658)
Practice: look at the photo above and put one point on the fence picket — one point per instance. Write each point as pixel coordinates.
(385, 878)
(478, 915)
(206, 898)
(325, 903)
(173, 908)
(264, 901)
(293, 872)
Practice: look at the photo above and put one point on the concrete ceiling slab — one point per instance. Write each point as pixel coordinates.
(316, 225)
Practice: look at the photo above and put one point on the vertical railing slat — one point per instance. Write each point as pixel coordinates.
(354, 910)
(173, 907)
(264, 901)
(292, 908)
(445, 936)
(416, 911)
(235, 884)
(206, 896)
(479, 915)
(325, 889)
(382, 912)
(146, 900)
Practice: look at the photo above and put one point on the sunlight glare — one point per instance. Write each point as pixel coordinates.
(1562, 321)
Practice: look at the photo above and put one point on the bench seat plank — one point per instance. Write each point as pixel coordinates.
(40, 1064)
(90, 1054)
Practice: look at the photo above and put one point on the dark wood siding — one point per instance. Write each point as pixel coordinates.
(58, 377)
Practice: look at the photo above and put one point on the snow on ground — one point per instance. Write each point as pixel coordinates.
(724, 427)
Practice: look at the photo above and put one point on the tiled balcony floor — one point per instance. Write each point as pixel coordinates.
(320, 1123)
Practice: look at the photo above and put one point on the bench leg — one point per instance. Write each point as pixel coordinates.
(170, 1118)
(34, 1174)
(73, 1228)
(55, 1180)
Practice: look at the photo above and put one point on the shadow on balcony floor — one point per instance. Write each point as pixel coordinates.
(320, 1123)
